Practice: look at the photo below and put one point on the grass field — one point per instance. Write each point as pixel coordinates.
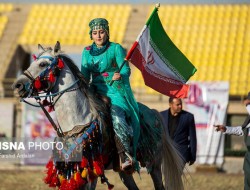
(25, 180)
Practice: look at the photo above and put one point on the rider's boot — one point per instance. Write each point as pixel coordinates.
(126, 160)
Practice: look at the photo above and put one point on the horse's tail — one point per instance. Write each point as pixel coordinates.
(172, 164)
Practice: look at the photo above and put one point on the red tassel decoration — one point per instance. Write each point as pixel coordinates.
(48, 178)
(51, 177)
(84, 162)
(34, 57)
(54, 181)
(51, 108)
(98, 167)
(64, 185)
(72, 185)
(50, 173)
(79, 180)
(38, 84)
(51, 77)
(60, 64)
(61, 178)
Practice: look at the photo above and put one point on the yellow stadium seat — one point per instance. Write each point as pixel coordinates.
(62, 21)
(214, 37)
(6, 7)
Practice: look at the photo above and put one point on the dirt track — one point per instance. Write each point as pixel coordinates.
(24, 180)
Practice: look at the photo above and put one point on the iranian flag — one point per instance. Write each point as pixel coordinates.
(164, 67)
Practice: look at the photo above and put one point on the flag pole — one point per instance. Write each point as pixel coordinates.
(157, 6)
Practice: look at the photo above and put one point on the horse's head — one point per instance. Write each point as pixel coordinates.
(41, 74)
(55, 81)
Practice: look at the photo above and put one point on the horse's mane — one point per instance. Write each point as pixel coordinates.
(96, 104)
(75, 71)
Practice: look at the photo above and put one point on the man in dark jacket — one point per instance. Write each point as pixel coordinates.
(181, 128)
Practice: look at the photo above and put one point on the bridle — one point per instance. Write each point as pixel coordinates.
(43, 84)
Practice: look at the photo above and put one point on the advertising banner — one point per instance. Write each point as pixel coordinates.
(6, 118)
(208, 102)
(38, 134)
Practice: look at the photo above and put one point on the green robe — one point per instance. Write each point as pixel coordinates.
(100, 70)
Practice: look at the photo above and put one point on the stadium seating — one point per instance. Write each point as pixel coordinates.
(4, 8)
(3, 22)
(215, 38)
(68, 23)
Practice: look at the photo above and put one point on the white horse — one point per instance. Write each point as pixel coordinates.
(76, 107)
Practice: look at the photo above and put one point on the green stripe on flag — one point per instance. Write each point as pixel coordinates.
(167, 50)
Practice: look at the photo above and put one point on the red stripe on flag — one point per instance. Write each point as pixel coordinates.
(164, 85)
(131, 51)
(136, 57)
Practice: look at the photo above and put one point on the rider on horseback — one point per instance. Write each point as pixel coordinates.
(100, 65)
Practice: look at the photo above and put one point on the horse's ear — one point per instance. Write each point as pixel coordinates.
(40, 49)
(57, 47)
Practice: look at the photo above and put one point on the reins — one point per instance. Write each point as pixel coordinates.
(60, 93)
(58, 129)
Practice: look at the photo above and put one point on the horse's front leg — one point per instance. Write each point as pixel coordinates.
(128, 181)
